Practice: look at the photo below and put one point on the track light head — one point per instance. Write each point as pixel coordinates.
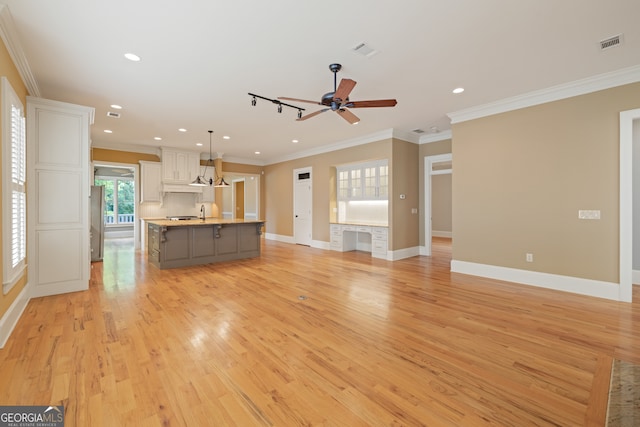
(254, 101)
(299, 114)
(279, 108)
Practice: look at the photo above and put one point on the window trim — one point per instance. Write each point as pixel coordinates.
(11, 274)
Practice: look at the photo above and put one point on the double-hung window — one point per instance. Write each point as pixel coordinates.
(14, 199)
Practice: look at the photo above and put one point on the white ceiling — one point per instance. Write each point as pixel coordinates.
(200, 58)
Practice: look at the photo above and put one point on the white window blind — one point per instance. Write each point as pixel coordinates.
(14, 214)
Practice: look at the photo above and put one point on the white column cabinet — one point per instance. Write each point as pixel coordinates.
(150, 181)
(58, 199)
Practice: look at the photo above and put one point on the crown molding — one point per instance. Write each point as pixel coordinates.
(405, 136)
(145, 149)
(10, 38)
(555, 93)
(435, 137)
(243, 161)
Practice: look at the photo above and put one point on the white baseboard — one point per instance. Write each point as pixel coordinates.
(557, 282)
(279, 238)
(403, 253)
(635, 277)
(10, 319)
(448, 234)
(320, 245)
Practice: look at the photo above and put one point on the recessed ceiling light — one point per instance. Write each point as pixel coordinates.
(257, 152)
(458, 90)
(226, 137)
(116, 106)
(157, 138)
(199, 144)
(108, 131)
(132, 57)
(295, 141)
(182, 130)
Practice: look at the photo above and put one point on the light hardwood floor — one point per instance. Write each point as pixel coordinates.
(375, 343)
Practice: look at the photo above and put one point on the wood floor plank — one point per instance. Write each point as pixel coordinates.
(303, 336)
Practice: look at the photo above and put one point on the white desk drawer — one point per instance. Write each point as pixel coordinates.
(378, 245)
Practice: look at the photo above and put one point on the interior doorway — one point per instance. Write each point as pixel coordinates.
(122, 186)
(629, 172)
(439, 165)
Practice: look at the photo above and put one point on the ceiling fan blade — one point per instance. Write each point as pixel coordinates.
(299, 100)
(348, 116)
(315, 113)
(344, 89)
(372, 103)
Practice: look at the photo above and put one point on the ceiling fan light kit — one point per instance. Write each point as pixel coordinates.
(338, 100)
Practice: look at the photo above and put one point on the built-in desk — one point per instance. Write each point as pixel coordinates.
(351, 237)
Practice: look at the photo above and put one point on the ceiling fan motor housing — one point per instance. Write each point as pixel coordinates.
(327, 99)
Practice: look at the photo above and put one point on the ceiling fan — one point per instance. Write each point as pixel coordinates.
(338, 100)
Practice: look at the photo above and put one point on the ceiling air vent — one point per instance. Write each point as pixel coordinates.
(417, 131)
(112, 114)
(364, 50)
(611, 42)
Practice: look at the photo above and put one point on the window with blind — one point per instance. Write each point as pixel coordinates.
(14, 200)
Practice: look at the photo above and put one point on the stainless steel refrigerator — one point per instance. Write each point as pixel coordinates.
(96, 232)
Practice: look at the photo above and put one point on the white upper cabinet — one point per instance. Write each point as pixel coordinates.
(179, 167)
(364, 181)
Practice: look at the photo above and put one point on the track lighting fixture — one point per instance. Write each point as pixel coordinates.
(275, 101)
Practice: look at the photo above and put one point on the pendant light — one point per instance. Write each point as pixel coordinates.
(201, 181)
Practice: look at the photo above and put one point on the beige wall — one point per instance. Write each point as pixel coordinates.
(9, 70)
(279, 186)
(118, 156)
(403, 230)
(521, 177)
(428, 149)
(441, 214)
(404, 169)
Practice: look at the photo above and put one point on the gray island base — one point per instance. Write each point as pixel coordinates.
(174, 244)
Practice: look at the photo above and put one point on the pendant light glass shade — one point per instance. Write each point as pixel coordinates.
(199, 182)
(221, 183)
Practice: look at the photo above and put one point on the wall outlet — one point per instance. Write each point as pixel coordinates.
(529, 257)
(586, 214)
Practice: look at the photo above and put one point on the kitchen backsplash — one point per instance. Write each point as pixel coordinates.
(174, 204)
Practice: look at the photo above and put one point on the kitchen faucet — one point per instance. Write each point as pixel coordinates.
(202, 212)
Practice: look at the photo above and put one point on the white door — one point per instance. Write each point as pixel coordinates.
(58, 197)
(302, 219)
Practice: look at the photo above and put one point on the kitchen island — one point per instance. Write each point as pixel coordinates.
(174, 244)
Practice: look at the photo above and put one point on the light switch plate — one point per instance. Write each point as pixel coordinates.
(589, 214)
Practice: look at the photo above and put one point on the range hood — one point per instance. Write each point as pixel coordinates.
(181, 188)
